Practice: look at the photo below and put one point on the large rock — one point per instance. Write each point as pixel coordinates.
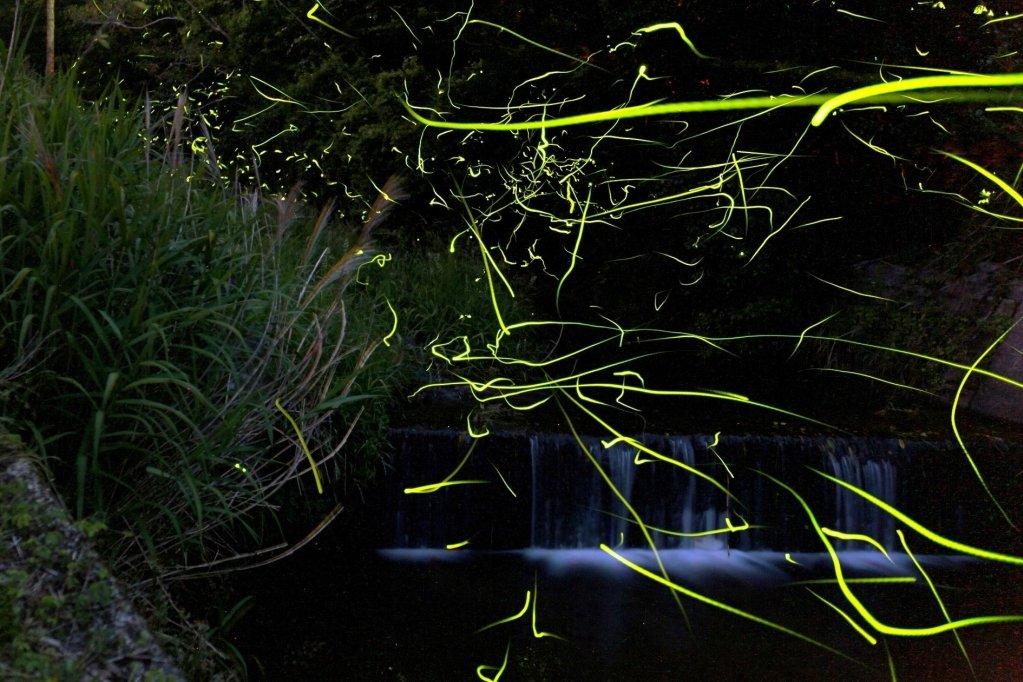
(62, 614)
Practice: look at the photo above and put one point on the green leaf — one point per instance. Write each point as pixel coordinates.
(335, 403)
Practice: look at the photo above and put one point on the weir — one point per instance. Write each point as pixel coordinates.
(541, 491)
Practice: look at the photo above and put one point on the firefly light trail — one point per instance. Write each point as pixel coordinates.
(561, 190)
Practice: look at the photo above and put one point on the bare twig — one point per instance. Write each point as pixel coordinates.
(283, 555)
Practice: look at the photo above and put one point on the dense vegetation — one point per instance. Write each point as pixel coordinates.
(181, 354)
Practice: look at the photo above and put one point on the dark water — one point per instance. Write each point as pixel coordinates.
(415, 617)
(407, 609)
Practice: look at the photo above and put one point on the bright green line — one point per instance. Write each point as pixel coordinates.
(860, 16)
(891, 580)
(305, 447)
(955, 422)
(575, 249)
(857, 537)
(863, 610)
(1011, 17)
(910, 84)
(673, 26)
(394, 327)
(922, 530)
(855, 626)
(713, 602)
(525, 607)
(880, 93)
(311, 14)
(1004, 186)
(434, 487)
(851, 291)
(937, 597)
(529, 41)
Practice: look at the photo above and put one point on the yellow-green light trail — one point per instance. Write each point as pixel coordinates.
(891, 92)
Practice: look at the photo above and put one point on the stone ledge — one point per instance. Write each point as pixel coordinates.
(62, 614)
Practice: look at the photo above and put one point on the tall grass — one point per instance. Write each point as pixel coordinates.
(150, 320)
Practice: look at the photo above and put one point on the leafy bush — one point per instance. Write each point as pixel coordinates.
(157, 335)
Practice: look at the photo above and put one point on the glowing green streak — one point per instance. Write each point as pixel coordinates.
(525, 607)
(635, 111)
(909, 84)
(869, 144)
(457, 545)
(469, 430)
(729, 528)
(862, 344)
(882, 93)
(838, 535)
(305, 448)
(955, 425)
(937, 597)
(477, 387)
(1011, 17)
(394, 327)
(660, 200)
(289, 100)
(1004, 186)
(891, 663)
(922, 530)
(724, 464)
(851, 291)
(536, 598)
(721, 605)
(502, 477)
(703, 394)
(529, 41)
(621, 498)
(488, 261)
(672, 25)
(575, 249)
(1000, 216)
(774, 232)
(891, 580)
(311, 15)
(860, 16)
(856, 626)
(498, 670)
(434, 487)
(742, 192)
(858, 605)
(804, 332)
(873, 378)
(653, 453)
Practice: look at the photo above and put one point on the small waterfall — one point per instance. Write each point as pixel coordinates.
(571, 502)
(852, 513)
(623, 474)
(561, 500)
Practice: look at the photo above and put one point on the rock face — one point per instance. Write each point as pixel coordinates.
(62, 615)
(988, 292)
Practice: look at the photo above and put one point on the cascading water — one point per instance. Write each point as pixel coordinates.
(542, 491)
(879, 478)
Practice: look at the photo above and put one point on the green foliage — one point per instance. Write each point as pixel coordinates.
(149, 321)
